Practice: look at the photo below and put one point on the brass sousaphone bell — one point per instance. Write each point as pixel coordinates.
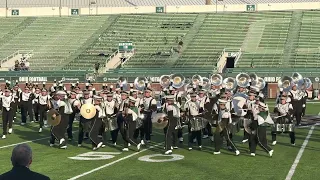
(88, 111)
(216, 80)
(229, 84)
(297, 79)
(243, 80)
(177, 80)
(285, 83)
(53, 121)
(206, 83)
(165, 81)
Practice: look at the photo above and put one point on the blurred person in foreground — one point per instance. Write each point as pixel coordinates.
(21, 159)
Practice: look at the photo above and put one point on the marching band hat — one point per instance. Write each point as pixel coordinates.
(109, 94)
(26, 88)
(73, 92)
(170, 97)
(283, 98)
(252, 93)
(95, 97)
(254, 88)
(149, 90)
(133, 92)
(263, 105)
(222, 101)
(193, 95)
(124, 93)
(7, 90)
(61, 93)
(86, 92)
(223, 96)
(118, 89)
(202, 91)
(132, 99)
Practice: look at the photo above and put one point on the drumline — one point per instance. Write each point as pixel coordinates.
(214, 107)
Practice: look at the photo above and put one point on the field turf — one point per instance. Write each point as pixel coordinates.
(111, 163)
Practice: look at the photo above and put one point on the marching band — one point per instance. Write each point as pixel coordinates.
(214, 108)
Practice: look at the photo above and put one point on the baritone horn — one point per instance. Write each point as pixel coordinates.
(285, 83)
(177, 80)
(216, 80)
(243, 80)
(140, 83)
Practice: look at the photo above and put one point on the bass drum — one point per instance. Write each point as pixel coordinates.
(111, 124)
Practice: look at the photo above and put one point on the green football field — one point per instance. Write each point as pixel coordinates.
(294, 162)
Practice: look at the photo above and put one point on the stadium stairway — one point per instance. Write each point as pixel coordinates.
(83, 58)
(188, 38)
(293, 35)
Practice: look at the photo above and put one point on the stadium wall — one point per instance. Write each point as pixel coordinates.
(66, 11)
(272, 87)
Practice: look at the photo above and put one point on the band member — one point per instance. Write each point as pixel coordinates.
(148, 105)
(204, 102)
(222, 130)
(15, 92)
(97, 123)
(111, 111)
(173, 112)
(296, 97)
(75, 105)
(259, 130)
(84, 123)
(43, 100)
(177, 102)
(250, 103)
(284, 111)
(26, 98)
(64, 110)
(35, 104)
(7, 112)
(192, 108)
(128, 126)
(304, 103)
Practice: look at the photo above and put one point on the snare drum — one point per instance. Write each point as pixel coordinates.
(195, 123)
(277, 127)
(111, 124)
(288, 128)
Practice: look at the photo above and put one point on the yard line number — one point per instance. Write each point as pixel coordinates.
(93, 156)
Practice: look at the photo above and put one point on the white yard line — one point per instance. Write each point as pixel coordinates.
(297, 160)
(2, 147)
(116, 161)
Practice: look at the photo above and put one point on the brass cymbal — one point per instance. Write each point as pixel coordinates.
(88, 111)
(53, 121)
(159, 120)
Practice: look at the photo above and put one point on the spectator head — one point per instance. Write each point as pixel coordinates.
(22, 155)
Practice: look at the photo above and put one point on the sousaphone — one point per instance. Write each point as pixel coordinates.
(88, 111)
(206, 84)
(229, 84)
(177, 80)
(140, 83)
(53, 117)
(216, 80)
(165, 81)
(243, 80)
(285, 83)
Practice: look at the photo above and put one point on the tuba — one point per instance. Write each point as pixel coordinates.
(307, 84)
(177, 80)
(243, 80)
(253, 77)
(285, 83)
(196, 80)
(216, 79)
(297, 79)
(165, 81)
(259, 83)
(206, 84)
(140, 83)
(229, 84)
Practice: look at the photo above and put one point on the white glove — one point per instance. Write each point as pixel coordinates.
(304, 105)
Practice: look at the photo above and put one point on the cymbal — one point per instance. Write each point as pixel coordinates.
(88, 111)
(158, 120)
(53, 121)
